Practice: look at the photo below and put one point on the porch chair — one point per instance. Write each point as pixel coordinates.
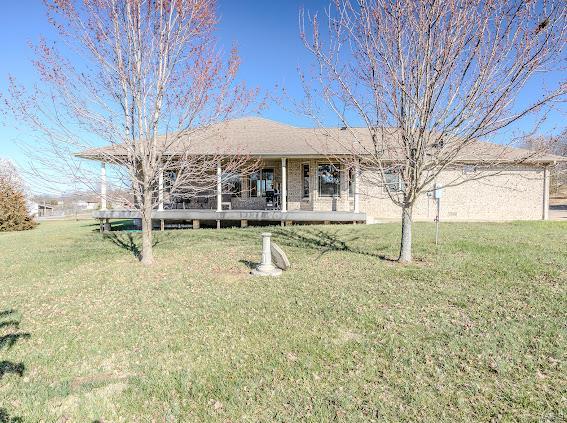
(270, 200)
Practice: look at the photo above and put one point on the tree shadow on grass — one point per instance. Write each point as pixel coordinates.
(6, 418)
(8, 340)
(91, 225)
(8, 320)
(117, 225)
(324, 241)
(11, 367)
(10, 323)
(129, 242)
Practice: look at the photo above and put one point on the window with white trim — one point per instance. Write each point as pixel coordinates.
(329, 177)
(393, 181)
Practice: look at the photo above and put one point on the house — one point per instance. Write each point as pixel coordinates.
(86, 204)
(39, 210)
(299, 178)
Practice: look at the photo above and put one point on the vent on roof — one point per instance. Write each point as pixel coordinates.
(343, 128)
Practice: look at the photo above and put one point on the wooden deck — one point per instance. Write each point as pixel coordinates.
(236, 215)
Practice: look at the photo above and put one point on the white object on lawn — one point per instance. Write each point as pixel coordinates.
(266, 268)
(279, 257)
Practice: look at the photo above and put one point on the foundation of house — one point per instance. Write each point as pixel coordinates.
(245, 217)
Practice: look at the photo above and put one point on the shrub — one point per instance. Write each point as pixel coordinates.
(14, 215)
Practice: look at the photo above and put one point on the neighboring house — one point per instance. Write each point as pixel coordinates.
(86, 205)
(39, 210)
(300, 179)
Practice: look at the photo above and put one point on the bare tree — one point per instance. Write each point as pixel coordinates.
(426, 79)
(135, 85)
(557, 145)
(9, 175)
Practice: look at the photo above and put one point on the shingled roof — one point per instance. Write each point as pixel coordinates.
(259, 137)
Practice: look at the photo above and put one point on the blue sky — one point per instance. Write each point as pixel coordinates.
(265, 31)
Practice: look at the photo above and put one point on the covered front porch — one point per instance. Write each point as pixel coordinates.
(282, 190)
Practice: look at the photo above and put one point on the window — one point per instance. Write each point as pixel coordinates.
(306, 180)
(351, 182)
(254, 179)
(232, 184)
(467, 169)
(393, 181)
(261, 181)
(329, 180)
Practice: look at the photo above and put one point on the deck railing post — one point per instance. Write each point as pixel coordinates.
(219, 187)
(356, 182)
(103, 186)
(284, 185)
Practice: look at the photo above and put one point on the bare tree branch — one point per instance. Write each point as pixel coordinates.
(428, 79)
(138, 77)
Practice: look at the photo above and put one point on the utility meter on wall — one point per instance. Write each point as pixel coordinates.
(437, 192)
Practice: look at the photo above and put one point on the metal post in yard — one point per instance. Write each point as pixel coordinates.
(437, 221)
(437, 194)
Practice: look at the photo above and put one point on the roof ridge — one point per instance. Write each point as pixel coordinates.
(253, 117)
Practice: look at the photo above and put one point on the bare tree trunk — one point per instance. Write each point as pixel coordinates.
(428, 80)
(147, 257)
(156, 63)
(405, 247)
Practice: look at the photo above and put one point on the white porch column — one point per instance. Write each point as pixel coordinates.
(356, 182)
(103, 186)
(284, 184)
(219, 187)
(160, 190)
(545, 214)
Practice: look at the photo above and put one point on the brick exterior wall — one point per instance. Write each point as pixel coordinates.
(296, 201)
(512, 195)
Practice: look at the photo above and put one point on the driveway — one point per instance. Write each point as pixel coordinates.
(558, 212)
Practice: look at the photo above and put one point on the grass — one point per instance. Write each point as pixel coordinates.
(474, 330)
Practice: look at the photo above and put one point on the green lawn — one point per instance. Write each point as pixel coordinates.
(474, 330)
